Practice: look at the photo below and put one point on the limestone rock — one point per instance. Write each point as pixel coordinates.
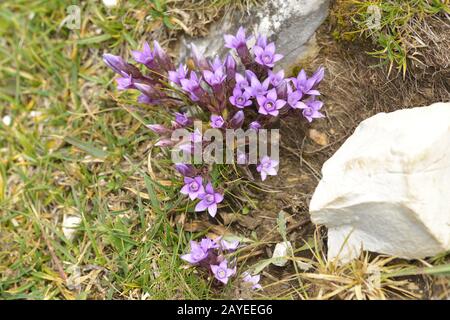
(281, 252)
(387, 189)
(290, 23)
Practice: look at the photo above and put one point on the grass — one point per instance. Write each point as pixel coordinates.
(73, 147)
(395, 37)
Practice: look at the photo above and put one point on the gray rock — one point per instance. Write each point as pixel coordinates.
(290, 23)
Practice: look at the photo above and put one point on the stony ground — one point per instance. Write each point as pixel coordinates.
(70, 146)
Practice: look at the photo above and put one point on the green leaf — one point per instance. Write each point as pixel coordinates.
(95, 39)
(85, 146)
(281, 223)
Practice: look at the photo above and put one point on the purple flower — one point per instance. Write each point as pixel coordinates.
(163, 58)
(192, 85)
(121, 67)
(222, 272)
(304, 84)
(276, 78)
(198, 253)
(237, 120)
(215, 78)
(230, 65)
(236, 42)
(311, 110)
(186, 170)
(270, 104)
(125, 83)
(158, 129)
(209, 200)
(318, 75)
(266, 56)
(253, 280)
(193, 187)
(199, 59)
(217, 121)
(241, 82)
(267, 167)
(294, 100)
(179, 74)
(229, 245)
(147, 89)
(146, 100)
(145, 57)
(182, 119)
(255, 125)
(261, 41)
(164, 143)
(216, 64)
(240, 99)
(257, 88)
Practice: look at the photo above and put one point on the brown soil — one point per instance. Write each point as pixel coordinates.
(352, 91)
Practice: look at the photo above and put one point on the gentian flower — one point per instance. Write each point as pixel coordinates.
(270, 104)
(318, 75)
(118, 65)
(216, 64)
(241, 82)
(182, 119)
(240, 99)
(162, 56)
(261, 41)
(230, 65)
(145, 57)
(209, 200)
(164, 143)
(236, 42)
(146, 100)
(253, 280)
(159, 129)
(304, 84)
(186, 170)
(257, 88)
(197, 253)
(276, 78)
(193, 187)
(229, 245)
(222, 272)
(255, 125)
(294, 100)
(179, 74)
(237, 120)
(267, 167)
(192, 86)
(266, 56)
(217, 121)
(311, 110)
(215, 78)
(199, 60)
(125, 83)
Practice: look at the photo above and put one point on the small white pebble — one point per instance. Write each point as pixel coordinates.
(69, 225)
(35, 114)
(7, 120)
(110, 3)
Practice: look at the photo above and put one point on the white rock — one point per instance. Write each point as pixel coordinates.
(387, 189)
(110, 3)
(281, 252)
(291, 24)
(7, 120)
(69, 225)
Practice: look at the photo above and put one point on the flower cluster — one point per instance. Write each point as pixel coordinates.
(231, 95)
(210, 254)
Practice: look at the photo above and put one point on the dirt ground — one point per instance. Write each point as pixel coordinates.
(352, 91)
